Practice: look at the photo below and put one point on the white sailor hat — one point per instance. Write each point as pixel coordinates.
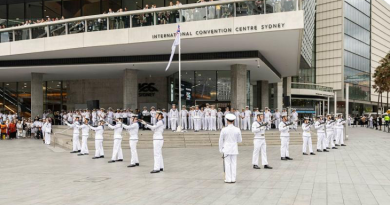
(158, 112)
(319, 116)
(306, 118)
(256, 108)
(230, 117)
(219, 108)
(261, 111)
(247, 106)
(284, 115)
(207, 104)
(173, 104)
(163, 109)
(145, 107)
(183, 106)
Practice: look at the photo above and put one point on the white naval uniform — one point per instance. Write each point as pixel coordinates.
(238, 119)
(184, 114)
(213, 119)
(99, 151)
(320, 135)
(117, 150)
(94, 118)
(76, 133)
(339, 131)
(219, 120)
(247, 120)
(110, 116)
(330, 134)
(267, 118)
(173, 114)
(259, 144)
(207, 122)
(306, 136)
(294, 119)
(228, 140)
(165, 114)
(158, 142)
(84, 138)
(133, 140)
(169, 119)
(197, 120)
(47, 130)
(191, 119)
(153, 117)
(203, 120)
(285, 139)
(277, 119)
(242, 118)
(227, 112)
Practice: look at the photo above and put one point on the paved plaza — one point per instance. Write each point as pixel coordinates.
(32, 173)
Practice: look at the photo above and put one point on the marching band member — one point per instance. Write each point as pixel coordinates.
(184, 114)
(258, 128)
(99, 130)
(84, 137)
(228, 145)
(117, 154)
(133, 140)
(247, 118)
(197, 119)
(284, 128)
(330, 133)
(320, 127)
(219, 119)
(174, 114)
(340, 131)
(307, 136)
(76, 133)
(158, 142)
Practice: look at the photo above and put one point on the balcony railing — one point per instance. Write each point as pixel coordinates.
(311, 87)
(151, 17)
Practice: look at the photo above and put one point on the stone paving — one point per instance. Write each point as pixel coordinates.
(33, 173)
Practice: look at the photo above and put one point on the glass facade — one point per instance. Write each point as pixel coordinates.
(357, 48)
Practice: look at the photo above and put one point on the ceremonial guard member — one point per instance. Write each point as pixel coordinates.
(76, 133)
(174, 114)
(258, 128)
(219, 119)
(227, 111)
(330, 133)
(153, 115)
(158, 142)
(203, 119)
(340, 131)
(84, 137)
(47, 130)
(133, 140)
(197, 119)
(284, 128)
(320, 127)
(213, 118)
(306, 136)
(247, 118)
(191, 118)
(117, 154)
(110, 115)
(277, 118)
(284, 112)
(184, 114)
(228, 145)
(94, 117)
(99, 130)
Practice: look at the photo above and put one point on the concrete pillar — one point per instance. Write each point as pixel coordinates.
(130, 89)
(263, 94)
(335, 102)
(36, 94)
(279, 96)
(287, 91)
(239, 83)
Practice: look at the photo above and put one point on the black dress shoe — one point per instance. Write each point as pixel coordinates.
(337, 145)
(161, 170)
(334, 147)
(111, 161)
(79, 151)
(283, 158)
(119, 160)
(131, 165)
(80, 154)
(343, 145)
(256, 167)
(95, 157)
(288, 158)
(86, 154)
(304, 154)
(318, 150)
(311, 153)
(74, 152)
(154, 171)
(137, 164)
(326, 150)
(267, 167)
(101, 156)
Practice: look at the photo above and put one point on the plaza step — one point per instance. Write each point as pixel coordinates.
(190, 139)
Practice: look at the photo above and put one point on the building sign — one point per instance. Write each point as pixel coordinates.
(147, 89)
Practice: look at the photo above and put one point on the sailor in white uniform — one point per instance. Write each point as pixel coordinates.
(320, 127)
(47, 130)
(173, 114)
(228, 145)
(227, 111)
(153, 115)
(158, 142)
(191, 118)
(117, 154)
(330, 133)
(76, 133)
(207, 113)
(219, 119)
(277, 118)
(133, 140)
(99, 130)
(284, 128)
(197, 119)
(84, 137)
(294, 118)
(247, 118)
(213, 118)
(340, 131)
(236, 112)
(110, 115)
(184, 114)
(306, 136)
(267, 117)
(259, 145)
(165, 114)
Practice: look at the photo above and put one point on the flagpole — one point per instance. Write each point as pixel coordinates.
(179, 127)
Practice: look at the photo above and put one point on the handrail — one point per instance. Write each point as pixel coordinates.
(324, 88)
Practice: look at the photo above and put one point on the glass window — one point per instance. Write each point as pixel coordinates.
(356, 16)
(34, 10)
(223, 85)
(2, 97)
(361, 5)
(205, 85)
(53, 96)
(24, 98)
(132, 5)
(115, 5)
(3, 15)
(10, 98)
(357, 92)
(356, 46)
(356, 77)
(187, 81)
(52, 8)
(357, 62)
(15, 14)
(91, 7)
(356, 31)
(71, 8)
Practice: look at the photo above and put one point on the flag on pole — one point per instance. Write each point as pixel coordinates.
(175, 43)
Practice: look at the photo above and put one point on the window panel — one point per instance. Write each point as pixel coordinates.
(24, 98)
(91, 7)
(3, 15)
(356, 46)
(34, 10)
(223, 85)
(205, 85)
(357, 62)
(10, 98)
(71, 8)
(362, 6)
(115, 5)
(356, 31)
(15, 14)
(356, 16)
(356, 77)
(52, 8)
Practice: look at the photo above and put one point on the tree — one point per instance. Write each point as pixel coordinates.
(382, 78)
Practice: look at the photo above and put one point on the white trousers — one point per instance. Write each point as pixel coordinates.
(259, 146)
(191, 123)
(236, 122)
(133, 150)
(197, 124)
(203, 121)
(285, 141)
(213, 123)
(173, 123)
(153, 119)
(219, 123)
(20, 133)
(321, 138)
(117, 150)
(184, 123)
(329, 139)
(230, 168)
(94, 122)
(99, 148)
(207, 123)
(277, 121)
(247, 123)
(169, 123)
(84, 144)
(47, 138)
(307, 141)
(76, 142)
(110, 120)
(340, 136)
(157, 152)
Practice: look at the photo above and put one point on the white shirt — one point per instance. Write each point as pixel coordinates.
(98, 132)
(294, 116)
(84, 129)
(284, 130)
(306, 130)
(277, 115)
(133, 130)
(197, 114)
(158, 129)
(213, 113)
(74, 126)
(339, 124)
(247, 113)
(219, 115)
(320, 128)
(228, 140)
(117, 130)
(329, 126)
(258, 131)
(46, 128)
(173, 113)
(184, 113)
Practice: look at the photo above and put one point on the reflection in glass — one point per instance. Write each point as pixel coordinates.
(6, 36)
(115, 5)
(223, 85)
(24, 98)
(38, 32)
(97, 24)
(34, 10)
(53, 95)
(10, 98)
(22, 34)
(205, 85)
(57, 30)
(52, 8)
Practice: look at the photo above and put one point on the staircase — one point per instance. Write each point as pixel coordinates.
(189, 139)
